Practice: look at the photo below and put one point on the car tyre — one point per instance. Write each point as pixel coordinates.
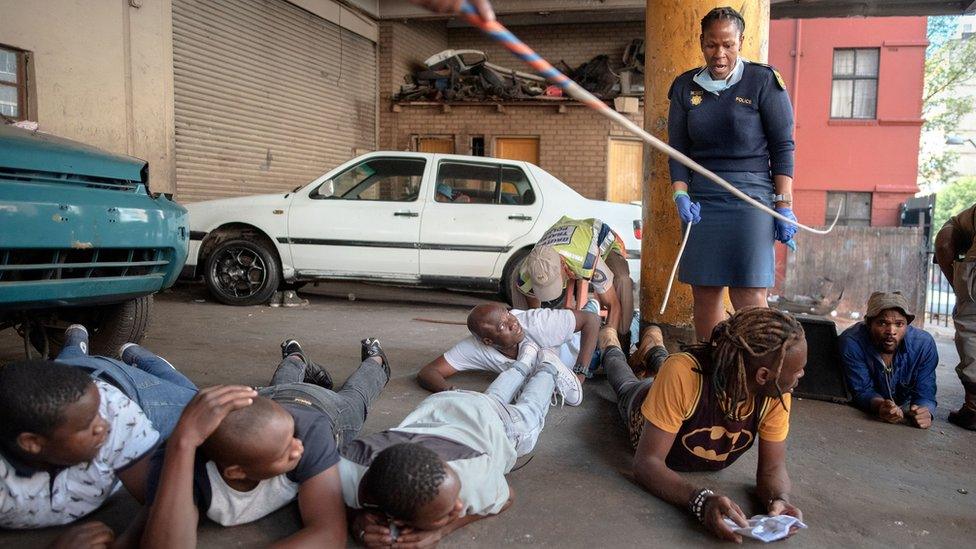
(242, 272)
(123, 323)
(509, 272)
(109, 326)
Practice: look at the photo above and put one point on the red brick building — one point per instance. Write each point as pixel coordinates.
(856, 86)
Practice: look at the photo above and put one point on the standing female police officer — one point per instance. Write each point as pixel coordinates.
(734, 118)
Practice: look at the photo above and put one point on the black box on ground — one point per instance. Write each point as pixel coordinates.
(824, 376)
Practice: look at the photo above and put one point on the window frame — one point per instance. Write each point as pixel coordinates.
(314, 192)
(497, 193)
(479, 150)
(844, 219)
(854, 78)
(21, 86)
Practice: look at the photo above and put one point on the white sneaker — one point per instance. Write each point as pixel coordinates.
(567, 384)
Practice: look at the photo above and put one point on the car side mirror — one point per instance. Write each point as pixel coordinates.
(327, 189)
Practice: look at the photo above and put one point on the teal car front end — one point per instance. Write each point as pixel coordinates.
(80, 231)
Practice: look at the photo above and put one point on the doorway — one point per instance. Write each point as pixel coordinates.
(625, 170)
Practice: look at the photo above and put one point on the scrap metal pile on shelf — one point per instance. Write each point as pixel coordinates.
(466, 75)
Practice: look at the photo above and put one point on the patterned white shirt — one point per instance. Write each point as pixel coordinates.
(31, 499)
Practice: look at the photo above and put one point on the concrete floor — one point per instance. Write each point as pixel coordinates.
(860, 483)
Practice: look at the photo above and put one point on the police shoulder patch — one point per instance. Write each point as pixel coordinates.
(779, 78)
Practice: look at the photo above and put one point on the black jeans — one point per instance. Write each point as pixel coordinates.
(630, 390)
(347, 407)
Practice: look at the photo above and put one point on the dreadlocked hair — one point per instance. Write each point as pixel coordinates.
(403, 478)
(749, 334)
(723, 14)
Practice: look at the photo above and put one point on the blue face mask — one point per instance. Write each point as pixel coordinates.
(704, 79)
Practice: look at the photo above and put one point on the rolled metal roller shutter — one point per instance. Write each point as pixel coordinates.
(268, 96)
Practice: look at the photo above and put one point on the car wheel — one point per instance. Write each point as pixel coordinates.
(109, 326)
(123, 323)
(509, 272)
(242, 272)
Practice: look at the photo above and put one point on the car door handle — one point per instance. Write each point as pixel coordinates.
(406, 214)
(521, 217)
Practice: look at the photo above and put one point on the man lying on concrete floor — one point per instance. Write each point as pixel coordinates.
(890, 365)
(444, 466)
(706, 407)
(498, 335)
(237, 455)
(73, 428)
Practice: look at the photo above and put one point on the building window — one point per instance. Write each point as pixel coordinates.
(13, 83)
(855, 83)
(478, 145)
(855, 208)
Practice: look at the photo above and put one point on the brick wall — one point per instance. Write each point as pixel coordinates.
(573, 44)
(402, 48)
(886, 207)
(573, 144)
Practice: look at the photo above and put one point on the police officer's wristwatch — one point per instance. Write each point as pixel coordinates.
(785, 198)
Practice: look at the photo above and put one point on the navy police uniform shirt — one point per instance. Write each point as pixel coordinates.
(747, 127)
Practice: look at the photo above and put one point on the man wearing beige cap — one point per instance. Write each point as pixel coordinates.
(587, 251)
(955, 252)
(890, 365)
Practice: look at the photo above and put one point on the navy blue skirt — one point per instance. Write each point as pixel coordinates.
(733, 243)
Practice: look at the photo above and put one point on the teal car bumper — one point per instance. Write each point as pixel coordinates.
(87, 245)
(79, 227)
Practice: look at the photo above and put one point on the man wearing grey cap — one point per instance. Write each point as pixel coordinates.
(890, 365)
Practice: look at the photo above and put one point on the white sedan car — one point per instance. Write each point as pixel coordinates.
(434, 220)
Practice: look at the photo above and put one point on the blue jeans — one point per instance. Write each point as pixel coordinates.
(347, 407)
(526, 416)
(149, 380)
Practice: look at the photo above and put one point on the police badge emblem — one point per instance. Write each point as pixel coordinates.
(696, 98)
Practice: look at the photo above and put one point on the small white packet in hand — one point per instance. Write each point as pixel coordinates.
(766, 528)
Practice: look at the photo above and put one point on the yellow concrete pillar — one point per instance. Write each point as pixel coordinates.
(672, 47)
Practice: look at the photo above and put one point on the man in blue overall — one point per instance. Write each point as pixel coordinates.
(890, 365)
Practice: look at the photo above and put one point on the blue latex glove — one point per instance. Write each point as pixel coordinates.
(782, 230)
(688, 211)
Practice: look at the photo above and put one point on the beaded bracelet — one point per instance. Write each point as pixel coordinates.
(697, 503)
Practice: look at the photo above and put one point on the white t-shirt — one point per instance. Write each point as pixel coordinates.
(229, 507)
(483, 453)
(548, 328)
(31, 499)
